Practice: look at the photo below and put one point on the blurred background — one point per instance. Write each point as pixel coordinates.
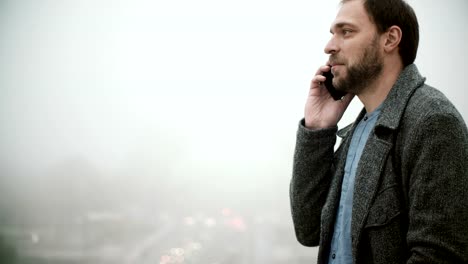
(163, 131)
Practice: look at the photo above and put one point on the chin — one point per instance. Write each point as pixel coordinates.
(337, 80)
(338, 73)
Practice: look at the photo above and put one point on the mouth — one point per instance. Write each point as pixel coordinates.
(334, 67)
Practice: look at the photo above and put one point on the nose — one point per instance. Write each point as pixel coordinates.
(331, 47)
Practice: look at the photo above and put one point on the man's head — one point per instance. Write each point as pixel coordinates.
(367, 35)
(387, 13)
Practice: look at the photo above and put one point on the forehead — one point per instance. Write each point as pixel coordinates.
(352, 13)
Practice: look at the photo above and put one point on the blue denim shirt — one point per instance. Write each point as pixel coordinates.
(341, 248)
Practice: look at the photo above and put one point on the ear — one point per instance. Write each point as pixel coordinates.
(392, 38)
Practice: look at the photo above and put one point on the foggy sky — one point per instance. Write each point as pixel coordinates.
(203, 94)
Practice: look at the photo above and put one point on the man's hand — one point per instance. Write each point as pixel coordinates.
(321, 110)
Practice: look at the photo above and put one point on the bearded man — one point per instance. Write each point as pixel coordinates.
(396, 188)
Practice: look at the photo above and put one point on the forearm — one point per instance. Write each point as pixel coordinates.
(312, 169)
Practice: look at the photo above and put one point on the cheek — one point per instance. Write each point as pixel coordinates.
(354, 52)
(353, 56)
(354, 59)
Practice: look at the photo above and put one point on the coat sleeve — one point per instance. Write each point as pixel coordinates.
(436, 167)
(312, 169)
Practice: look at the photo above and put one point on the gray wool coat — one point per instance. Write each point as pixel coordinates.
(411, 190)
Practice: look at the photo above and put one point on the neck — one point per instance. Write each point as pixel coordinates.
(378, 90)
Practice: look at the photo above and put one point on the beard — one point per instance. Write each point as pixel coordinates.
(364, 72)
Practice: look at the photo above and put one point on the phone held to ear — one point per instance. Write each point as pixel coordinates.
(337, 95)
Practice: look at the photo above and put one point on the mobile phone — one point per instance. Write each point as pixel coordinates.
(337, 95)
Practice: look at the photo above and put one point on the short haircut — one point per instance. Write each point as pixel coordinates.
(387, 13)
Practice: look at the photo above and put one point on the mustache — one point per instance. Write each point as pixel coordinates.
(335, 60)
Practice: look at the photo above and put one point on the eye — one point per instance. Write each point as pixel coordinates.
(347, 31)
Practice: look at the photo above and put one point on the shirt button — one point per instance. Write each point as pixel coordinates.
(333, 256)
(365, 118)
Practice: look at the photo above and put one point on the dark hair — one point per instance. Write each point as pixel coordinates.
(387, 13)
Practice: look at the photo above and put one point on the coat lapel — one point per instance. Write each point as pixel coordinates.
(368, 176)
(380, 143)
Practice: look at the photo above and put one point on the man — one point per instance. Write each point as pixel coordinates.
(396, 189)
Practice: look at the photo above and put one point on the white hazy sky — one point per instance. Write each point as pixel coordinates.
(213, 88)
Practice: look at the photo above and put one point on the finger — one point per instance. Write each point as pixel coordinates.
(318, 80)
(322, 69)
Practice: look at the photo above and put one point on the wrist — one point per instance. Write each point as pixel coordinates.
(317, 125)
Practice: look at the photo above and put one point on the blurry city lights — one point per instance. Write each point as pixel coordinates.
(189, 221)
(209, 222)
(195, 246)
(226, 212)
(237, 223)
(165, 259)
(177, 251)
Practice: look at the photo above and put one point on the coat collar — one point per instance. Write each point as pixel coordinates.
(394, 105)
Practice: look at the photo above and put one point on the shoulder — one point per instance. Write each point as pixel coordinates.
(430, 117)
(428, 104)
